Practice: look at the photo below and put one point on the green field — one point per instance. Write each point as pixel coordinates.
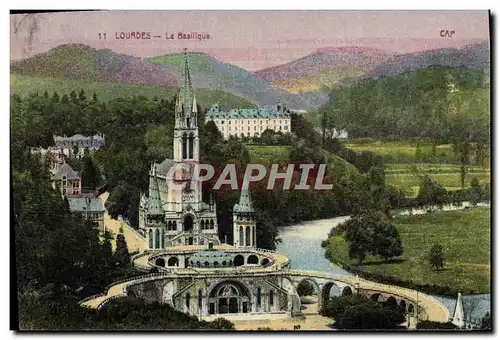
(406, 163)
(406, 151)
(408, 176)
(23, 85)
(465, 236)
(268, 154)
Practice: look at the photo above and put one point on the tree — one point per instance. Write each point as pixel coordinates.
(426, 324)
(337, 305)
(90, 174)
(431, 192)
(121, 253)
(476, 192)
(305, 288)
(359, 238)
(372, 233)
(436, 256)
(387, 242)
(221, 323)
(371, 315)
(267, 137)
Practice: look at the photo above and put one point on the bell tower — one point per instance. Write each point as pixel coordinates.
(186, 139)
(244, 222)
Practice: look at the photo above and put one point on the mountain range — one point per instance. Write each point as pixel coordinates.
(329, 67)
(301, 84)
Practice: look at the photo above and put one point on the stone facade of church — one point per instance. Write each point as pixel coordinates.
(174, 213)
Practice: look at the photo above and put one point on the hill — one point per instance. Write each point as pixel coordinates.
(414, 104)
(23, 85)
(84, 63)
(207, 71)
(476, 56)
(324, 68)
(81, 62)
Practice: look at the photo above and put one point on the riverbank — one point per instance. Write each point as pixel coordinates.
(465, 236)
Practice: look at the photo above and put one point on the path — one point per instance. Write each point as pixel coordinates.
(135, 242)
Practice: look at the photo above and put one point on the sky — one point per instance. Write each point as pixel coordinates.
(249, 39)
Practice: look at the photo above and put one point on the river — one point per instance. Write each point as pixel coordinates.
(302, 244)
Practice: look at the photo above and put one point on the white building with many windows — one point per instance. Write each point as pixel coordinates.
(250, 122)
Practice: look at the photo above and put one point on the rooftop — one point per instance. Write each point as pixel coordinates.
(66, 171)
(83, 204)
(268, 111)
(77, 137)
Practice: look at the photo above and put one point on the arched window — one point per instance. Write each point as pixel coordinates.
(188, 223)
(258, 297)
(207, 264)
(241, 236)
(247, 236)
(200, 299)
(216, 264)
(211, 224)
(150, 237)
(239, 260)
(169, 225)
(202, 224)
(157, 238)
(184, 146)
(191, 142)
(253, 259)
(188, 297)
(198, 264)
(173, 262)
(174, 226)
(187, 122)
(411, 309)
(271, 298)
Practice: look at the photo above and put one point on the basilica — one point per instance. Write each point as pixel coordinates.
(170, 216)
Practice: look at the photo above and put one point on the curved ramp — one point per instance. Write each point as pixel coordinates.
(432, 309)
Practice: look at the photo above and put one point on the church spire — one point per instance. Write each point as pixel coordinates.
(154, 201)
(185, 98)
(458, 315)
(245, 203)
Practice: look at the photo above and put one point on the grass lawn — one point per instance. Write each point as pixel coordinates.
(406, 151)
(408, 176)
(268, 154)
(465, 236)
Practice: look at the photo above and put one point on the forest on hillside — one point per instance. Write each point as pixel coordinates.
(139, 130)
(435, 104)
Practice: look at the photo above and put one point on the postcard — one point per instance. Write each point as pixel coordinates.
(251, 170)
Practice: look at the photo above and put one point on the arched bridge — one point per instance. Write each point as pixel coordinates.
(277, 295)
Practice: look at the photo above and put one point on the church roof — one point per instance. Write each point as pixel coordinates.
(164, 167)
(66, 171)
(268, 111)
(476, 306)
(154, 201)
(245, 203)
